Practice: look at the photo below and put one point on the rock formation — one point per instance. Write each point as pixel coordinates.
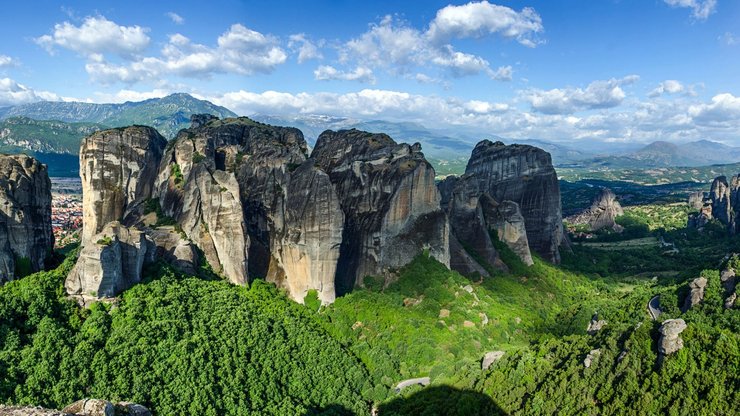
(720, 204)
(697, 293)
(390, 202)
(591, 357)
(602, 214)
(670, 340)
(109, 263)
(84, 407)
(490, 358)
(26, 238)
(510, 191)
(117, 168)
(696, 200)
(595, 325)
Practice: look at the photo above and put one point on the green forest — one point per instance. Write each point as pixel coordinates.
(199, 345)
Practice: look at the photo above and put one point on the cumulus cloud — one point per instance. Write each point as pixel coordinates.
(723, 111)
(239, 50)
(670, 86)
(478, 19)
(395, 46)
(597, 95)
(305, 49)
(176, 18)
(700, 9)
(327, 73)
(13, 93)
(97, 35)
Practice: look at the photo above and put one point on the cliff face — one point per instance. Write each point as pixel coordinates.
(720, 203)
(524, 175)
(602, 214)
(511, 191)
(25, 215)
(117, 168)
(390, 203)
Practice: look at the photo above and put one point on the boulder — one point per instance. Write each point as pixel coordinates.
(118, 168)
(595, 325)
(390, 202)
(670, 340)
(26, 238)
(591, 357)
(109, 264)
(29, 411)
(730, 301)
(697, 293)
(491, 357)
(91, 407)
(727, 277)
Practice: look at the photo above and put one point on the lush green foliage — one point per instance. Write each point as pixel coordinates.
(178, 345)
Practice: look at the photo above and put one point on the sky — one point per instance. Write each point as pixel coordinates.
(566, 71)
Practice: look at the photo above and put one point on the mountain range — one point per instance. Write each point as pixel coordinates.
(52, 131)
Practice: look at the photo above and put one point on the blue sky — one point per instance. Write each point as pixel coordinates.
(591, 70)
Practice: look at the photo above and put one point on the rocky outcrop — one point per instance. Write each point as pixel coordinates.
(26, 238)
(602, 214)
(670, 340)
(696, 295)
(491, 357)
(508, 191)
(117, 168)
(696, 200)
(595, 325)
(390, 202)
(591, 357)
(108, 264)
(719, 204)
(84, 407)
(507, 221)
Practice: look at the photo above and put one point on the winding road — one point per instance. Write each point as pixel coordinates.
(654, 307)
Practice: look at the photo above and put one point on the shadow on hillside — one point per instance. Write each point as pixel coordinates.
(441, 400)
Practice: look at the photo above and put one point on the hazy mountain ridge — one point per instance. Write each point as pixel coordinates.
(18, 134)
(168, 115)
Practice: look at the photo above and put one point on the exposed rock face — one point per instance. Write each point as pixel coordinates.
(720, 204)
(510, 190)
(720, 198)
(697, 293)
(91, 407)
(507, 220)
(602, 214)
(696, 200)
(595, 325)
(109, 263)
(524, 175)
(490, 358)
(170, 246)
(591, 357)
(25, 215)
(670, 341)
(390, 202)
(117, 168)
(730, 301)
(29, 411)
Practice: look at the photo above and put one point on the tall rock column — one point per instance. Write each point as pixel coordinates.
(26, 237)
(118, 168)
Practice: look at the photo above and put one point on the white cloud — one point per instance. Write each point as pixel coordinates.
(670, 86)
(176, 18)
(400, 49)
(723, 111)
(306, 49)
(478, 19)
(729, 39)
(239, 50)
(97, 35)
(327, 73)
(6, 61)
(13, 93)
(700, 9)
(597, 95)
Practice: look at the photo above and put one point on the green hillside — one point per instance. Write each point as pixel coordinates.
(20, 134)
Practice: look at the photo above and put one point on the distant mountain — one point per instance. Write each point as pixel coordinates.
(168, 114)
(448, 150)
(20, 134)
